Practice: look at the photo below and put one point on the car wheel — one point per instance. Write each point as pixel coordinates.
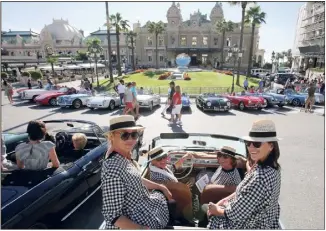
(111, 105)
(91, 108)
(53, 101)
(151, 106)
(38, 226)
(77, 103)
(296, 102)
(280, 105)
(241, 106)
(33, 98)
(259, 108)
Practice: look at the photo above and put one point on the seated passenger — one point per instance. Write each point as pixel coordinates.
(79, 141)
(159, 170)
(35, 154)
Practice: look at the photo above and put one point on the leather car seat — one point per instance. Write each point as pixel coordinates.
(215, 193)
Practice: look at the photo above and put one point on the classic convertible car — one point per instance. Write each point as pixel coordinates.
(31, 94)
(42, 199)
(75, 100)
(319, 98)
(292, 97)
(104, 100)
(147, 99)
(245, 101)
(271, 100)
(11, 140)
(280, 99)
(51, 97)
(213, 102)
(185, 192)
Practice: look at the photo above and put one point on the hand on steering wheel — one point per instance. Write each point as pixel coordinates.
(61, 139)
(186, 169)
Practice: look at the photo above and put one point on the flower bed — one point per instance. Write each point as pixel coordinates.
(164, 76)
(139, 70)
(186, 76)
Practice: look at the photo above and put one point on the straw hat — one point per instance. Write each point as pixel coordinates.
(262, 131)
(124, 122)
(225, 150)
(156, 153)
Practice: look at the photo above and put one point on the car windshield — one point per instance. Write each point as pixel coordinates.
(7, 136)
(64, 89)
(210, 95)
(177, 141)
(145, 92)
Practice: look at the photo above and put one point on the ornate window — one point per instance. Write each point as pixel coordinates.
(183, 41)
(149, 41)
(215, 41)
(228, 42)
(194, 41)
(161, 58)
(205, 40)
(150, 59)
(160, 41)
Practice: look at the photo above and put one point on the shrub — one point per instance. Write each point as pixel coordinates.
(164, 76)
(149, 73)
(4, 75)
(187, 78)
(36, 75)
(26, 74)
(159, 72)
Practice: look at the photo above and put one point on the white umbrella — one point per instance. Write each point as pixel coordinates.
(56, 68)
(72, 67)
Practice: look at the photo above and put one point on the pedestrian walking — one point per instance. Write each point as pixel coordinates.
(121, 90)
(176, 108)
(169, 100)
(29, 84)
(87, 84)
(135, 101)
(8, 90)
(311, 97)
(128, 100)
(40, 84)
(245, 84)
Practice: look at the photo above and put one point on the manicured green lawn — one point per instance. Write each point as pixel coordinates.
(200, 82)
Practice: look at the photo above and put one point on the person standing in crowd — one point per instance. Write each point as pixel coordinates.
(176, 106)
(128, 201)
(261, 84)
(135, 101)
(29, 84)
(87, 84)
(311, 97)
(170, 95)
(49, 81)
(322, 88)
(245, 84)
(254, 204)
(40, 84)
(121, 90)
(128, 100)
(8, 90)
(252, 89)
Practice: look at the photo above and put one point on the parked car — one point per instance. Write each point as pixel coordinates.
(104, 100)
(184, 192)
(271, 100)
(42, 199)
(280, 99)
(20, 90)
(292, 97)
(50, 98)
(147, 99)
(319, 98)
(213, 102)
(31, 94)
(75, 100)
(242, 101)
(11, 140)
(281, 78)
(185, 101)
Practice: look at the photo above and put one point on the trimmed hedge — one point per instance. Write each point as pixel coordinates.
(149, 73)
(26, 74)
(36, 75)
(4, 75)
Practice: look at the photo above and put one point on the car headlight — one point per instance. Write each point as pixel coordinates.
(208, 104)
(249, 101)
(228, 103)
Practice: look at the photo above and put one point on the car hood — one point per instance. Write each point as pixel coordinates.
(144, 97)
(10, 193)
(99, 99)
(50, 94)
(251, 98)
(74, 96)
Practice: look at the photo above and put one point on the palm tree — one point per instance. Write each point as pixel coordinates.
(156, 28)
(120, 25)
(94, 43)
(223, 27)
(52, 60)
(289, 57)
(243, 6)
(131, 36)
(254, 17)
(108, 28)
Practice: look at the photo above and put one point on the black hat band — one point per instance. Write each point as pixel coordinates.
(227, 152)
(262, 134)
(156, 154)
(126, 124)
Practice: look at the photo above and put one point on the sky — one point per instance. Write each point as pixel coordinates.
(276, 35)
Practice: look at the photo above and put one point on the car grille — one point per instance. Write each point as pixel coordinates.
(93, 105)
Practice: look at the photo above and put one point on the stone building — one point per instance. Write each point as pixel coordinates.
(196, 36)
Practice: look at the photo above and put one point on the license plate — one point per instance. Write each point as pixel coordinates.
(93, 105)
(216, 108)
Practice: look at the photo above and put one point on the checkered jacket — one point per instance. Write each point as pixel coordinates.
(255, 205)
(226, 177)
(123, 194)
(160, 178)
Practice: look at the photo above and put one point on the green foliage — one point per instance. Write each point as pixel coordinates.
(52, 59)
(81, 55)
(4, 75)
(159, 72)
(149, 73)
(26, 74)
(36, 75)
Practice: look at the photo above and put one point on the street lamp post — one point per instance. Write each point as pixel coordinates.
(273, 58)
(235, 54)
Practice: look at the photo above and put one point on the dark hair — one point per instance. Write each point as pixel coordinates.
(5, 83)
(121, 81)
(129, 84)
(172, 83)
(36, 130)
(272, 158)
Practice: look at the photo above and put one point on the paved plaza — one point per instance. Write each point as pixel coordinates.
(302, 151)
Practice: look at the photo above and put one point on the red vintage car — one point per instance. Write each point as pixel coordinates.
(246, 101)
(51, 97)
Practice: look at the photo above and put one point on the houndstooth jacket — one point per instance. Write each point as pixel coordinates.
(124, 194)
(226, 177)
(255, 205)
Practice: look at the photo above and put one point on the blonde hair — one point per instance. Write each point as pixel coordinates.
(178, 89)
(80, 140)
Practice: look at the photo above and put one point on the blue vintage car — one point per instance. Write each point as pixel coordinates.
(75, 100)
(292, 97)
(185, 100)
(279, 99)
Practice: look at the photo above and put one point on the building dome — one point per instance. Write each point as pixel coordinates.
(61, 31)
(217, 12)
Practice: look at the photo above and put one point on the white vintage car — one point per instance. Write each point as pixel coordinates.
(75, 100)
(147, 99)
(105, 100)
(31, 94)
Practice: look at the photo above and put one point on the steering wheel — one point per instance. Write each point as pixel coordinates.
(183, 171)
(61, 140)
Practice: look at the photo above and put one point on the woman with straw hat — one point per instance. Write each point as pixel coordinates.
(127, 203)
(254, 204)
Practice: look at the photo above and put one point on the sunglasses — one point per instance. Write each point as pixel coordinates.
(125, 135)
(219, 155)
(255, 144)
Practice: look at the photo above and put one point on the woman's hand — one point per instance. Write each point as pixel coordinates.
(166, 192)
(214, 210)
(179, 163)
(221, 202)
